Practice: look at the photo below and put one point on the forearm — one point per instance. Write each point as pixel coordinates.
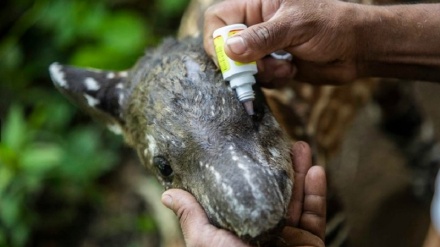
(401, 41)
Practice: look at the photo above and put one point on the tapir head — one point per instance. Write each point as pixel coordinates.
(188, 128)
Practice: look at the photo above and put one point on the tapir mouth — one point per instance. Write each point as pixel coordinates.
(247, 197)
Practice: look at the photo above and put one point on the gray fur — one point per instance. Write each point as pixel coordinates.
(174, 106)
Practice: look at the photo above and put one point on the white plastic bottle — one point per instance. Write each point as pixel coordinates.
(240, 75)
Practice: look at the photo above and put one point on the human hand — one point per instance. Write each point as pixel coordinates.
(306, 220)
(318, 33)
(306, 213)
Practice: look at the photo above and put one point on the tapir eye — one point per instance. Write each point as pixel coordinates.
(163, 166)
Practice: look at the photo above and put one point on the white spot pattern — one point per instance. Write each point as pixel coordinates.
(57, 75)
(152, 145)
(115, 128)
(123, 74)
(110, 75)
(275, 153)
(119, 86)
(216, 174)
(121, 99)
(91, 84)
(91, 101)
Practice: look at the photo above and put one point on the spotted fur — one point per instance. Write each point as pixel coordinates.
(188, 128)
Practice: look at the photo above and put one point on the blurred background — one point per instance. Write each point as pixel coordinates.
(63, 178)
(59, 171)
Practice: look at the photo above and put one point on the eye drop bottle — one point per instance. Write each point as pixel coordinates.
(240, 75)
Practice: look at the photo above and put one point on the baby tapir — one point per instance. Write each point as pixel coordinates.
(188, 128)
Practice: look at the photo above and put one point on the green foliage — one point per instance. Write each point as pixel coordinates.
(145, 223)
(29, 158)
(171, 8)
(46, 144)
(114, 39)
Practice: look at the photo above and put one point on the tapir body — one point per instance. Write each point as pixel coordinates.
(188, 128)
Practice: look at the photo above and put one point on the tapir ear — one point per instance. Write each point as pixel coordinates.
(100, 93)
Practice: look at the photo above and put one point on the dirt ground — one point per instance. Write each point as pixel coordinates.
(375, 184)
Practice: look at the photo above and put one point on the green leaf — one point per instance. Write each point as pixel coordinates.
(10, 210)
(59, 16)
(146, 223)
(40, 158)
(100, 57)
(8, 158)
(11, 54)
(171, 8)
(6, 178)
(122, 39)
(20, 234)
(51, 113)
(2, 239)
(123, 31)
(85, 159)
(15, 129)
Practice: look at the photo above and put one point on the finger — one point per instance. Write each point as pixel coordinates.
(275, 73)
(220, 15)
(291, 237)
(225, 13)
(191, 215)
(196, 228)
(259, 40)
(302, 161)
(313, 217)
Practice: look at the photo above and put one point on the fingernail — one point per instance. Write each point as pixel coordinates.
(236, 45)
(282, 71)
(298, 146)
(167, 200)
(214, 59)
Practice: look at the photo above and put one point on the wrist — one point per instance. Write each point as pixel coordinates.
(351, 28)
(377, 40)
(364, 21)
(399, 41)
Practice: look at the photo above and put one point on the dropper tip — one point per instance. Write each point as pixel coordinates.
(249, 107)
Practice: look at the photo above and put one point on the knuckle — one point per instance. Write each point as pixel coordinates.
(186, 213)
(212, 10)
(184, 216)
(261, 36)
(208, 12)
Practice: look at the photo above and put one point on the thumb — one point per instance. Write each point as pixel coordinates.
(195, 225)
(192, 217)
(186, 207)
(258, 41)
